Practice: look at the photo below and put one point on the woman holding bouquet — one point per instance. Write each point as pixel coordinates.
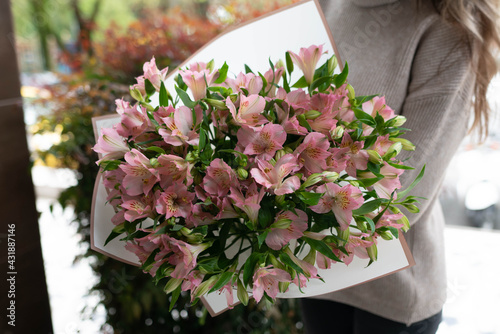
(433, 60)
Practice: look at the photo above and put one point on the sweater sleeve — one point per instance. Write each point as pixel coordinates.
(437, 109)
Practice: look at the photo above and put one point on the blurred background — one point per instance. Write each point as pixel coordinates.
(76, 57)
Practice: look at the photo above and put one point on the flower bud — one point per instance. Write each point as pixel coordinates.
(218, 104)
(242, 173)
(406, 223)
(354, 183)
(344, 234)
(279, 154)
(394, 150)
(283, 286)
(407, 145)
(386, 235)
(374, 157)
(191, 156)
(210, 65)
(400, 120)
(412, 208)
(172, 284)
(282, 223)
(288, 150)
(311, 257)
(312, 114)
(242, 293)
(280, 199)
(136, 94)
(272, 162)
(279, 64)
(154, 162)
(372, 252)
(350, 92)
(331, 65)
(312, 180)
(330, 176)
(204, 287)
(338, 132)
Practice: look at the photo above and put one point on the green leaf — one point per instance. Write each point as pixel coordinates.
(150, 89)
(223, 261)
(150, 260)
(176, 227)
(369, 182)
(249, 267)
(286, 85)
(224, 278)
(321, 247)
(163, 95)
(266, 215)
(398, 166)
(289, 62)
(405, 192)
(303, 122)
(285, 258)
(248, 69)
(175, 295)
(301, 83)
(113, 235)
(359, 100)
(262, 237)
(156, 149)
(108, 165)
(209, 265)
(185, 98)
(340, 79)
(178, 80)
(368, 207)
(309, 198)
(364, 117)
(222, 74)
(320, 81)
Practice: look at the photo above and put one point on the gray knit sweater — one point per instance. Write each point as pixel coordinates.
(422, 66)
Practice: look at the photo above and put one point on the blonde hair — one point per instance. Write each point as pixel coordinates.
(479, 20)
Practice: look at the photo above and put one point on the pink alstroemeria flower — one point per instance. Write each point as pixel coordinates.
(134, 120)
(180, 128)
(357, 157)
(153, 74)
(291, 125)
(389, 183)
(279, 237)
(382, 144)
(313, 152)
(374, 106)
(251, 82)
(272, 78)
(340, 200)
(219, 178)
(197, 82)
(266, 279)
(250, 111)
(262, 142)
(111, 145)
(250, 202)
(172, 169)
(175, 201)
(307, 59)
(137, 207)
(273, 177)
(185, 255)
(140, 175)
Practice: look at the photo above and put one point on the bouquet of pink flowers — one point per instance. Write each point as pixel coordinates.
(253, 183)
